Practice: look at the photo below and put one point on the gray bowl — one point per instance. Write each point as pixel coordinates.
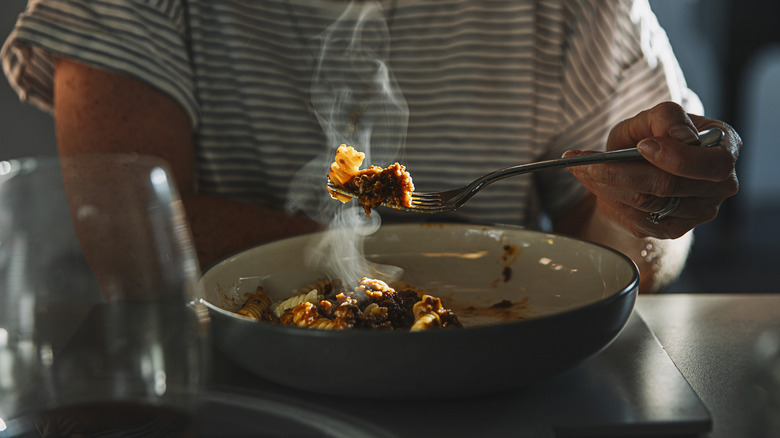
(533, 305)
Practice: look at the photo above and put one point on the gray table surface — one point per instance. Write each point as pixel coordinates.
(723, 350)
(728, 348)
(631, 389)
(683, 361)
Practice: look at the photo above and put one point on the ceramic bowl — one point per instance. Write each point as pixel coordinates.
(533, 304)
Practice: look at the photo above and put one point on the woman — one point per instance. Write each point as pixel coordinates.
(247, 101)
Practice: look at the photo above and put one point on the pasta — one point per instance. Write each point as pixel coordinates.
(425, 321)
(257, 304)
(327, 324)
(310, 297)
(344, 167)
(426, 313)
(373, 186)
(373, 304)
(302, 315)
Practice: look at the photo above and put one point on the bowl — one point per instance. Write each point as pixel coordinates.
(533, 305)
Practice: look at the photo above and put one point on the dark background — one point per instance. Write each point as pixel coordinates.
(730, 53)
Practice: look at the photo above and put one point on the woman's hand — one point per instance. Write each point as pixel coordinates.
(618, 211)
(676, 166)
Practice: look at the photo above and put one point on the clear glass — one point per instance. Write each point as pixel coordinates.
(99, 330)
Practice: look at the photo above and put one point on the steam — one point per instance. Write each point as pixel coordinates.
(340, 252)
(358, 103)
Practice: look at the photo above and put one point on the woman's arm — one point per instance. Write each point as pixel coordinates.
(97, 111)
(660, 261)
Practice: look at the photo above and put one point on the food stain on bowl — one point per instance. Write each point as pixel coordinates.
(500, 312)
(508, 258)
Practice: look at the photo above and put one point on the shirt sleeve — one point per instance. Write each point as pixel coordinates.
(618, 62)
(143, 39)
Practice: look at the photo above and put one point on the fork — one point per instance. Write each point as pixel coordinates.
(450, 200)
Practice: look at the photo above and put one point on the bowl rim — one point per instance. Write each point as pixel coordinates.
(628, 289)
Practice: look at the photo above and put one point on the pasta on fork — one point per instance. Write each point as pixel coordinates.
(344, 168)
(374, 185)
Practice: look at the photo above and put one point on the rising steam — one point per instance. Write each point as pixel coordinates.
(357, 102)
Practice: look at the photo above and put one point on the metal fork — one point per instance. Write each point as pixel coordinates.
(441, 202)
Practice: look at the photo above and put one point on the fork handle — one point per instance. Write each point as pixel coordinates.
(707, 138)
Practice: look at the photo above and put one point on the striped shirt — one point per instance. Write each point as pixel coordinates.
(451, 89)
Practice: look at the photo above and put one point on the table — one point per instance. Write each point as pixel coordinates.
(728, 348)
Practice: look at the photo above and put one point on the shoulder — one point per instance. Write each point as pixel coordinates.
(142, 39)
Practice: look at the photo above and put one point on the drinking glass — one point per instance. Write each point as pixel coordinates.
(100, 334)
